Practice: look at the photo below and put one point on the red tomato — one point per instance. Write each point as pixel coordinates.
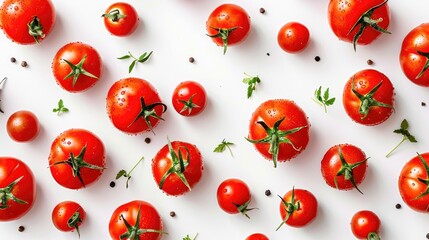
(365, 225)
(77, 158)
(414, 56)
(233, 196)
(344, 167)
(293, 37)
(357, 21)
(121, 19)
(189, 98)
(134, 106)
(22, 126)
(27, 21)
(279, 129)
(145, 222)
(17, 189)
(68, 216)
(413, 183)
(368, 97)
(76, 67)
(298, 208)
(177, 167)
(257, 236)
(228, 25)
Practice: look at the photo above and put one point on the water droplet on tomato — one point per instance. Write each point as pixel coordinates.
(123, 99)
(120, 104)
(68, 143)
(122, 92)
(16, 8)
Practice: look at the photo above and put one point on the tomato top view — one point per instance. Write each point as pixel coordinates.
(365, 224)
(27, 21)
(233, 196)
(293, 37)
(189, 98)
(68, 216)
(121, 19)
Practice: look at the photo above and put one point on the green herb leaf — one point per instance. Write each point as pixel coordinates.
(124, 57)
(143, 58)
(189, 238)
(120, 174)
(61, 108)
(251, 82)
(324, 101)
(224, 145)
(131, 67)
(406, 135)
(123, 173)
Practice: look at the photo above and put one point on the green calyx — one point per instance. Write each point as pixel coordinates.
(289, 207)
(424, 181)
(426, 66)
(244, 208)
(114, 15)
(35, 29)
(373, 236)
(365, 21)
(76, 163)
(74, 221)
(149, 111)
(346, 170)
(275, 137)
(77, 70)
(189, 105)
(223, 33)
(6, 195)
(134, 232)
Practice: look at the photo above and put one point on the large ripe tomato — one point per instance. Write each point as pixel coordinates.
(257, 236)
(413, 183)
(134, 106)
(189, 98)
(344, 166)
(298, 208)
(228, 25)
(358, 21)
(121, 19)
(233, 196)
(27, 21)
(138, 219)
(365, 225)
(177, 167)
(279, 129)
(77, 158)
(17, 189)
(414, 56)
(22, 126)
(368, 97)
(76, 67)
(68, 216)
(293, 37)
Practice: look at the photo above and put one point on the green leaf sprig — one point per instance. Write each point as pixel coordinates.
(123, 173)
(61, 108)
(189, 238)
(406, 135)
(324, 100)
(224, 145)
(251, 82)
(143, 58)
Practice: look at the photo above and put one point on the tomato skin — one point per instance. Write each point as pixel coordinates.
(123, 26)
(303, 215)
(162, 162)
(412, 63)
(16, 14)
(364, 81)
(149, 219)
(72, 141)
(74, 52)
(257, 236)
(124, 105)
(63, 211)
(184, 92)
(232, 193)
(22, 126)
(12, 169)
(363, 223)
(293, 37)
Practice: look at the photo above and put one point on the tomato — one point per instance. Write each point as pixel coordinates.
(177, 167)
(121, 19)
(134, 106)
(414, 56)
(17, 189)
(298, 208)
(136, 218)
(368, 97)
(257, 236)
(68, 216)
(413, 183)
(344, 166)
(365, 225)
(233, 196)
(77, 158)
(27, 21)
(22, 126)
(227, 25)
(357, 21)
(293, 37)
(189, 98)
(76, 67)
(279, 129)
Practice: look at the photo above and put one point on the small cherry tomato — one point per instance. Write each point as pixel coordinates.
(257, 236)
(67, 216)
(293, 37)
(189, 98)
(365, 225)
(22, 126)
(121, 19)
(233, 196)
(298, 208)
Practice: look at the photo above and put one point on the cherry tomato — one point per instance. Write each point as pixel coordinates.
(121, 19)
(279, 129)
(368, 97)
(22, 126)
(257, 236)
(177, 167)
(68, 216)
(189, 98)
(298, 208)
(233, 196)
(227, 25)
(17, 189)
(77, 158)
(293, 37)
(145, 222)
(27, 21)
(365, 225)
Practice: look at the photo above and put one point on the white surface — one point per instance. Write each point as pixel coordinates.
(175, 31)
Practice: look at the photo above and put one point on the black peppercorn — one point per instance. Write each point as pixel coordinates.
(147, 140)
(267, 192)
(172, 214)
(423, 104)
(21, 228)
(12, 59)
(262, 10)
(369, 62)
(191, 60)
(24, 64)
(112, 184)
(317, 58)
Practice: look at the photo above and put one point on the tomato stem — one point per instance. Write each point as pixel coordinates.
(6, 195)
(35, 29)
(134, 232)
(74, 221)
(346, 170)
(149, 111)
(244, 208)
(114, 15)
(223, 33)
(426, 66)
(373, 236)
(424, 181)
(77, 70)
(189, 105)
(399, 144)
(290, 207)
